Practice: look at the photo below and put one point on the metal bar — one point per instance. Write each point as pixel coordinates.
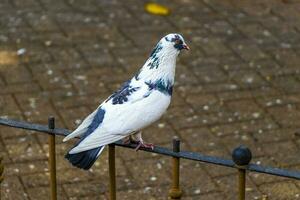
(183, 154)
(52, 160)
(218, 161)
(1, 174)
(242, 183)
(274, 171)
(112, 172)
(33, 127)
(175, 192)
(163, 151)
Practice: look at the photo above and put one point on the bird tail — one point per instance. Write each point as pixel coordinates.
(84, 159)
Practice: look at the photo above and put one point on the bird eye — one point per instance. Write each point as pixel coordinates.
(178, 41)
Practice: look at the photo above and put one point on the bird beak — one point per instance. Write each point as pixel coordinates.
(186, 47)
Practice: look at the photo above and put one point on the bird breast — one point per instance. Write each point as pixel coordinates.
(155, 106)
(127, 118)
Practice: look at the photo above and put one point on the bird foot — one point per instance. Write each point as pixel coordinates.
(126, 141)
(144, 145)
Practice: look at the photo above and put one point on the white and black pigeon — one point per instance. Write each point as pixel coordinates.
(138, 103)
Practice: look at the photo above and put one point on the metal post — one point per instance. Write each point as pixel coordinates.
(241, 157)
(112, 172)
(242, 183)
(1, 174)
(175, 191)
(52, 160)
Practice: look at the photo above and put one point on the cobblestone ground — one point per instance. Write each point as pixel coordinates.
(238, 85)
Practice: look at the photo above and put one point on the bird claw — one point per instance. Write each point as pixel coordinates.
(144, 145)
(126, 141)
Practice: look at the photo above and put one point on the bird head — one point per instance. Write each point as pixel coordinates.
(167, 50)
(161, 63)
(174, 41)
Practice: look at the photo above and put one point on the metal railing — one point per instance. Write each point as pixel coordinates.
(241, 157)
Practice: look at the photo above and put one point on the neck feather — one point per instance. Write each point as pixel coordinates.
(160, 66)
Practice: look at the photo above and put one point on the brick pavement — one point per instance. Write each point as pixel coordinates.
(239, 84)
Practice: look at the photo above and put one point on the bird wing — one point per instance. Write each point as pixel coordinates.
(120, 96)
(142, 108)
(82, 128)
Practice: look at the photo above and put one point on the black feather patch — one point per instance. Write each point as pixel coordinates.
(121, 95)
(85, 159)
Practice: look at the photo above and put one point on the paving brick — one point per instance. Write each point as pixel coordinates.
(243, 127)
(204, 103)
(201, 180)
(24, 148)
(36, 107)
(287, 84)
(195, 137)
(283, 153)
(149, 193)
(8, 105)
(242, 94)
(35, 180)
(285, 117)
(93, 197)
(275, 135)
(17, 74)
(229, 185)
(281, 190)
(41, 22)
(20, 88)
(153, 173)
(26, 168)
(209, 74)
(218, 171)
(245, 109)
(42, 193)
(84, 189)
(247, 78)
(278, 100)
(13, 189)
(208, 196)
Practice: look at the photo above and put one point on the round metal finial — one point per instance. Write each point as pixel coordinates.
(176, 145)
(51, 122)
(241, 155)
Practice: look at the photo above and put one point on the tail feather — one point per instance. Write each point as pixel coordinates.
(85, 159)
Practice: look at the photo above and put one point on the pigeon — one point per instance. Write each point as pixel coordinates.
(138, 103)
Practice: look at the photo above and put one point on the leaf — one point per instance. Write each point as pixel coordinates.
(157, 9)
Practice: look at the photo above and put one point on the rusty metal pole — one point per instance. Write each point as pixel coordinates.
(241, 157)
(52, 159)
(242, 183)
(175, 191)
(112, 172)
(1, 174)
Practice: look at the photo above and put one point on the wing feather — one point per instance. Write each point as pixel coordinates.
(82, 128)
(104, 140)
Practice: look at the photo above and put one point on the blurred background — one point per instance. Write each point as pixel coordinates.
(239, 84)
